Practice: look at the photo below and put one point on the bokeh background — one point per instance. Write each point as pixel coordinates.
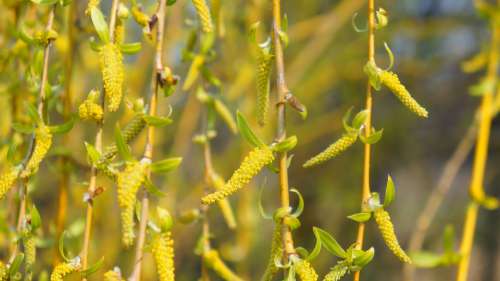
(324, 60)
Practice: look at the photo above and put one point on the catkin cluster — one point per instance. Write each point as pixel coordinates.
(251, 166)
(113, 275)
(336, 273)
(90, 109)
(112, 74)
(276, 251)
(391, 81)
(224, 205)
(386, 228)
(4, 272)
(29, 250)
(43, 141)
(129, 180)
(213, 261)
(333, 150)
(63, 269)
(264, 63)
(305, 271)
(163, 252)
(204, 15)
(7, 180)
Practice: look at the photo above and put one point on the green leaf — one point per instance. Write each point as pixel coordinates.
(157, 121)
(23, 35)
(33, 113)
(448, 239)
(292, 222)
(94, 45)
(345, 120)
(100, 25)
(15, 265)
(483, 87)
(153, 189)
(35, 219)
(303, 253)
(426, 259)
(93, 268)
(285, 145)
(45, 2)
(226, 115)
(246, 132)
(122, 146)
(373, 138)
(360, 119)
(64, 127)
(300, 207)
(390, 191)
(330, 244)
(23, 128)
(61, 246)
(166, 165)
(365, 258)
(261, 207)
(317, 247)
(130, 48)
(360, 217)
(284, 23)
(171, 2)
(92, 152)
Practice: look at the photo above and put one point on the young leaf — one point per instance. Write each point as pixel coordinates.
(360, 217)
(153, 189)
(246, 132)
(63, 128)
(365, 258)
(300, 207)
(261, 207)
(122, 146)
(345, 120)
(373, 138)
(157, 121)
(93, 268)
(317, 247)
(448, 239)
(92, 152)
(23, 128)
(166, 165)
(15, 265)
(45, 2)
(359, 119)
(33, 113)
(330, 244)
(426, 259)
(100, 25)
(36, 220)
(389, 192)
(286, 144)
(61, 247)
(130, 48)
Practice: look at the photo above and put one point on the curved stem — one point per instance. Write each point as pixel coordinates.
(369, 105)
(148, 151)
(282, 90)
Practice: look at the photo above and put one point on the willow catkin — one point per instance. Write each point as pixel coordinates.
(250, 167)
(305, 271)
(43, 141)
(213, 261)
(163, 253)
(333, 150)
(112, 74)
(29, 250)
(386, 228)
(203, 13)
(128, 181)
(113, 275)
(91, 5)
(336, 273)
(276, 251)
(63, 269)
(90, 109)
(4, 272)
(224, 205)
(7, 180)
(391, 81)
(119, 31)
(264, 64)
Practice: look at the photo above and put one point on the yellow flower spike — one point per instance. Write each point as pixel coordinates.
(264, 65)
(92, 4)
(112, 74)
(336, 273)
(29, 250)
(213, 261)
(119, 32)
(224, 205)
(90, 109)
(386, 228)
(4, 272)
(7, 180)
(276, 251)
(250, 167)
(63, 269)
(339, 146)
(391, 81)
(43, 142)
(204, 15)
(305, 271)
(163, 253)
(113, 275)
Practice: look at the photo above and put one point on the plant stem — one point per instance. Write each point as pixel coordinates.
(148, 151)
(480, 156)
(98, 145)
(367, 127)
(282, 90)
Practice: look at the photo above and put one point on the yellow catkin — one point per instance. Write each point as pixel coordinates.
(140, 17)
(29, 250)
(43, 141)
(113, 275)
(4, 272)
(129, 180)
(224, 205)
(336, 273)
(305, 271)
(163, 252)
(204, 15)
(213, 261)
(90, 109)
(112, 74)
(63, 269)
(92, 4)
(386, 228)
(193, 72)
(264, 63)
(7, 180)
(250, 167)
(333, 150)
(276, 251)
(119, 31)
(391, 81)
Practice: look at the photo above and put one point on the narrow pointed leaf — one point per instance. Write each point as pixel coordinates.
(246, 132)
(166, 165)
(389, 192)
